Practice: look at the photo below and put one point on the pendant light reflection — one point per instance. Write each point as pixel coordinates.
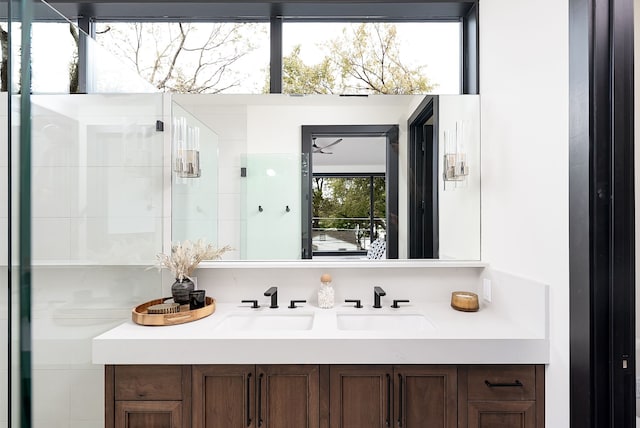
(456, 168)
(186, 143)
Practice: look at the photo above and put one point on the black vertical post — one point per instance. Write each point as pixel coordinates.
(470, 46)
(9, 212)
(622, 279)
(601, 214)
(275, 68)
(24, 209)
(85, 26)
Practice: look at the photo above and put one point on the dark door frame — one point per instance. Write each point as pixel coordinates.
(391, 133)
(601, 214)
(422, 192)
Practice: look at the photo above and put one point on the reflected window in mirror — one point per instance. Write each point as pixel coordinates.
(351, 192)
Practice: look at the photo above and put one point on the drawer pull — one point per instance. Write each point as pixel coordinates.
(388, 420)
(260, 399)
(248, 399)
(515, 384)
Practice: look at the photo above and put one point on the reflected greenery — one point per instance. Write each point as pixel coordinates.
(342, 208)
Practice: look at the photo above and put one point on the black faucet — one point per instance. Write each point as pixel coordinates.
(356, 301)
(254, 303)
(292, 305)
(273, 293)
(377, 293)
(395, 303)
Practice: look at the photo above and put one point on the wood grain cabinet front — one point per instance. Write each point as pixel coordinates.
(145, 414)
(248, 396)
(360, 396)
(385, 396)
(502, 396)
(324, 396)
(148, 396)
(425, 396)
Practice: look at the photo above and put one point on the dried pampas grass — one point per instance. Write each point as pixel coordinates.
(186, 256)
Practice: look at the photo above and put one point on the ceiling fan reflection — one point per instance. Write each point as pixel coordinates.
(319, 149)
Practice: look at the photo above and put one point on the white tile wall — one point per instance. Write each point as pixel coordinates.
(51, 397)
(51, 239)
(55, 140)
(71, 306)
(229, 232)
(4, 399)
(52, 192)
(87, 395)
(3, 244)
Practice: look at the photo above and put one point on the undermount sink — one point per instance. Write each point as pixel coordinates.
(397, 322)
(253, 321)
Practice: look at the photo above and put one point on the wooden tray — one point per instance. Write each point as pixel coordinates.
(139, 314)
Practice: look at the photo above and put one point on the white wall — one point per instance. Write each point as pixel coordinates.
(524, 127)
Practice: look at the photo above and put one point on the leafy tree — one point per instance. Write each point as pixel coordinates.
(73, 65)
(344, 203)
(363, 59)
(300, 78)
(4, 65)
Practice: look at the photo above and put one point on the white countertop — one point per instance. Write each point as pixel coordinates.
(488, 336)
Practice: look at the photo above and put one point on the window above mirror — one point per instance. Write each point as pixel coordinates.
(433, 43)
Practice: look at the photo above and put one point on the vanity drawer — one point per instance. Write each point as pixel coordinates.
(504, 382)
(148, 382)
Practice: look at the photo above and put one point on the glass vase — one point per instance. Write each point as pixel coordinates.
(180, 290)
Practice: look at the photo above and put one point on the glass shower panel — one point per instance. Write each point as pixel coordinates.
(194, 187)
(4, 260)
(98, 219)
(10, 114)
(271, 208)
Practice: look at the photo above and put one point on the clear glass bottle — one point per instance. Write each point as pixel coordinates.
(326, 294)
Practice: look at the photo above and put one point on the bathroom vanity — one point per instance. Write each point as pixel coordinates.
(324, 395)
(422, 364)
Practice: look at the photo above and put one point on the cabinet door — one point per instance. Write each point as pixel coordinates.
(148, 414)
(223, 396)
(502, 414)
(360, 396)
(425, 396)
(288, 396)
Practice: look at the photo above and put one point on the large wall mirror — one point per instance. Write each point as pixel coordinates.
(264, 158)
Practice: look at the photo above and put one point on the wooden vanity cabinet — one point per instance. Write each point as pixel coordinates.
(384, 396)
(265, 396)
(324, 396)
(142, 396)
(504, 396)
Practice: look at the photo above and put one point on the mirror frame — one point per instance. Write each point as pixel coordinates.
(391, 133)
